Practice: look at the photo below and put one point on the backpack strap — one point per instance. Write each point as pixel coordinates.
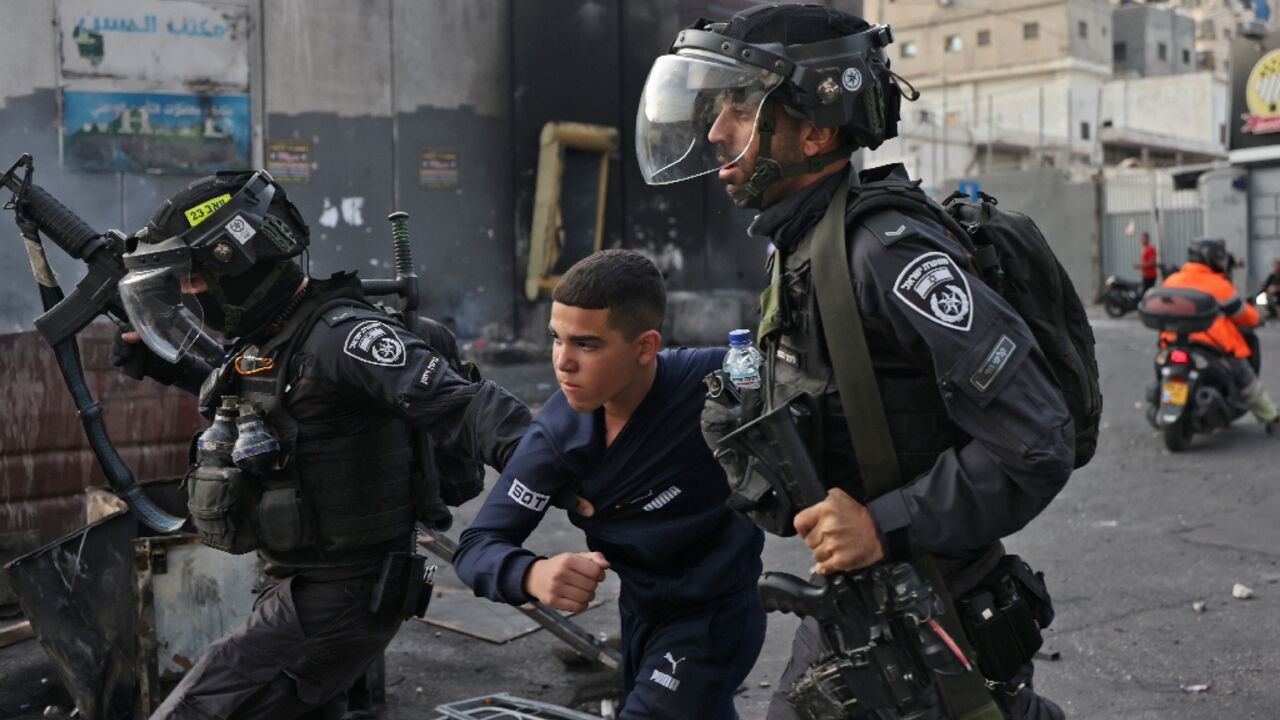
(966, 696)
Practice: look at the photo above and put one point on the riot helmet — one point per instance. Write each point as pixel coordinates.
(1211, 252)
(237, 232)
(819, 64)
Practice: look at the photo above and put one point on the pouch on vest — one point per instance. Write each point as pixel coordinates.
(404, 586)
(222, 501)
(1003, 618)
(281, 519)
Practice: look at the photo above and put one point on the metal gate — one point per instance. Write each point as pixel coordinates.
(1145, 201)
(1264, 224)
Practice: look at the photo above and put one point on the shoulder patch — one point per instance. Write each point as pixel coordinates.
(376, 343)
(933, 285)
(889, 226)
(339, 315)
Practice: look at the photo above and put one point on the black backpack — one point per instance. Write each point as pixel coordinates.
(1011, 255)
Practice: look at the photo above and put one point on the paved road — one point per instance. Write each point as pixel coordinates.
(1134, 539)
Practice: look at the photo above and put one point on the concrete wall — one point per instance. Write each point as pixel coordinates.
(397, 77)
(1225, 196)
(369, 85)
(1066, 212)
(1264, 223)
(1144, 29)
(1190, 106)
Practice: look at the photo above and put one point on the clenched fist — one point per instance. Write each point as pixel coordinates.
(841, 534)
(567, 581)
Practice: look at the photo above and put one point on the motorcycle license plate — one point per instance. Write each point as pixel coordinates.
(1174, 393)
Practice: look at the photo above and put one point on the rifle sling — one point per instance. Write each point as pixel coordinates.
(965, 696)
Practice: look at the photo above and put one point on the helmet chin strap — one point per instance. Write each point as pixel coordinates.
(768, 171)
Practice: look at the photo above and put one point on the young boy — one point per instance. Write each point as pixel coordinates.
(622, 434)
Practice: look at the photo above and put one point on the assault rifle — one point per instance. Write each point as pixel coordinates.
(879, 622)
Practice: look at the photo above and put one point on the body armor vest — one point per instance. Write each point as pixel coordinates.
(799, 365)
(333, 498)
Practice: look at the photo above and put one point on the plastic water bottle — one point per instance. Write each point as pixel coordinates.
(743, 361)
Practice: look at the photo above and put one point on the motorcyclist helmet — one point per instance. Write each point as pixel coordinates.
(1211, 252)
(820, 64)
(239, 232)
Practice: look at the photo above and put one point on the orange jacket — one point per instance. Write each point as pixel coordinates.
(1235, 312)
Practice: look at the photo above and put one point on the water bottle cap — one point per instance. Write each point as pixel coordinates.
(739, 337)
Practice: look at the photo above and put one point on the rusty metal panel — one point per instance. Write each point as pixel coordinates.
(187, 596)
(76, 593)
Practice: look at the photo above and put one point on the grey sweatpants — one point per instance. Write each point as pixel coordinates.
(303, 645)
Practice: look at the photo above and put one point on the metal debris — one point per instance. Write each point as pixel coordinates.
(506, 707)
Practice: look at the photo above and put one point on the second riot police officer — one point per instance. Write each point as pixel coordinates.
(971, 421)
(315, 458)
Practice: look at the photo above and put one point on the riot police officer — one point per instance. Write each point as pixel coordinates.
(325, 478)
(775, 100)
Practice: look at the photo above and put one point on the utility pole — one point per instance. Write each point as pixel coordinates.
(944, 129)
(933, 149)
(991, 132)
(1041, 114)
(1071, 126)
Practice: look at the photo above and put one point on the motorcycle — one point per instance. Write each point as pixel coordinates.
(1121, 297)
(1195, 391)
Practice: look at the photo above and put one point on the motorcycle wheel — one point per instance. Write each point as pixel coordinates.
(1113, 307)
(1177, 437)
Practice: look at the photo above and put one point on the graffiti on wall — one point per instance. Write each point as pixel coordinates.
(154, 86)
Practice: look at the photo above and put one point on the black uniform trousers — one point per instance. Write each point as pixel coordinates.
(1022, 704)
(306, 641)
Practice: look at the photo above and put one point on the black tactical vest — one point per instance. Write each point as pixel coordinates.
(336, 498)
(799, 365)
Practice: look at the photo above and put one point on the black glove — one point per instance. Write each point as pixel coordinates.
(130, 358)
(137, 361)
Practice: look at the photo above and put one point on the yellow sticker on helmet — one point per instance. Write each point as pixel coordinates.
(201, 212)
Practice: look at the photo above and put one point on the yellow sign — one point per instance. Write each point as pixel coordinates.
(1175, 393)
(1262, 92)
(201, 212)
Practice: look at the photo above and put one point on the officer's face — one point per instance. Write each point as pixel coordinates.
(735, 129)
(594, 363)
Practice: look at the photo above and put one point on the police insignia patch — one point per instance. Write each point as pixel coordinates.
(933, 286)
(375, 343)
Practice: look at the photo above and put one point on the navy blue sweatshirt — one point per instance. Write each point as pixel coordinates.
(659, 497)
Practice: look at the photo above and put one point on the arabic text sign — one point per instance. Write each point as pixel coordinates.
(157, 45)
(134, 132)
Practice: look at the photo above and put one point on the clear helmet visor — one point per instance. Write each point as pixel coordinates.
(168, 324)
(698, 114)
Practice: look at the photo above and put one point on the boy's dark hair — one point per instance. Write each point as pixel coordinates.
(625, 282)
